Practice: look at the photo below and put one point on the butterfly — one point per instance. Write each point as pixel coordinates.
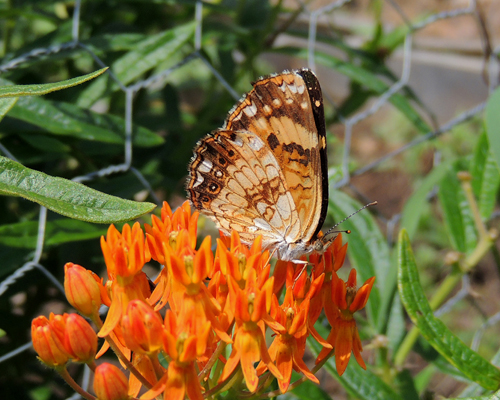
(265, 171)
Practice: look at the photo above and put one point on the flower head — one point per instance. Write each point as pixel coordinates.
(344, 335)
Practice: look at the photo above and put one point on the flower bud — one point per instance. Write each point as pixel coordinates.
(83, 289)
(80, 340)
(47, 344)
(110, 383)
(142, 328)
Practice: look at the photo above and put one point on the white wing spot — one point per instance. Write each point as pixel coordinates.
(283, 205)
(206, 166)
(255, 143)
(250, 110)
(199, 179)
(261, 207)
(304, 105)
(301, 89)
(276, 102)
(272, 172)
(267, 109)
(283, 86)
(238, 142)
(292, 88)
(289, 100)
(262, 224)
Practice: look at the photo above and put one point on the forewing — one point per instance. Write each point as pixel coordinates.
(286, 112)
(236, 179)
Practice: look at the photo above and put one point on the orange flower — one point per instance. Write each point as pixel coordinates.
(142, 328)
(110, 383)
(124, 255)
(251, 311)
(183, 345)
(124, 252)
(288, 346)
(47, 343)
(84, 290)
(162, 237)
(344, 335)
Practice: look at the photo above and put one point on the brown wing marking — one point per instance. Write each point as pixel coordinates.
(236, 179)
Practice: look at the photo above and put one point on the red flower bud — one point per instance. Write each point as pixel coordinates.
(83, 289)
(110, 383)
(47, 343)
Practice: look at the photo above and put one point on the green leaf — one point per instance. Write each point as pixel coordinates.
(6, 105)
(45, 143)
(65, 197)
(365, 78)
(67, 119)
(360, 384)
(368, 252)
(146, 55)
(492, 120)
(24, 234)
(36, 90)
(415, 205)
(457, 214)
(485, 177)
(309, 390)
(471, 364)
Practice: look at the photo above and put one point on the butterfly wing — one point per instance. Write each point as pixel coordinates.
(236, 180)
(286, 112)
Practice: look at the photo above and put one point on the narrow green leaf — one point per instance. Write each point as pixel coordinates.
(359, 383)
(6, 105)
(457, 213)
(37, 90)
(415, 205)
(485, 177)
(45, 143)
(24, 234)
(492, 120)
(67, 119)
(471, 364)
(65, 197)
(146, 55)
(368, 252)
(365, 78)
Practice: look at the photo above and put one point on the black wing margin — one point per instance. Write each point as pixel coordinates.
(316, 97)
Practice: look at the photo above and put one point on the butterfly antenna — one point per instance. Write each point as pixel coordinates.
(373, 203)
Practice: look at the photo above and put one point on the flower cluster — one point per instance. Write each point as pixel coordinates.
(201, 327)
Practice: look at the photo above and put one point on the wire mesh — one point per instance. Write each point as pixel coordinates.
(313, 20)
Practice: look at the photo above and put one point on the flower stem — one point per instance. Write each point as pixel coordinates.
(71, 382)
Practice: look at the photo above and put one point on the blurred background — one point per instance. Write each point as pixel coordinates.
(405, 84)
